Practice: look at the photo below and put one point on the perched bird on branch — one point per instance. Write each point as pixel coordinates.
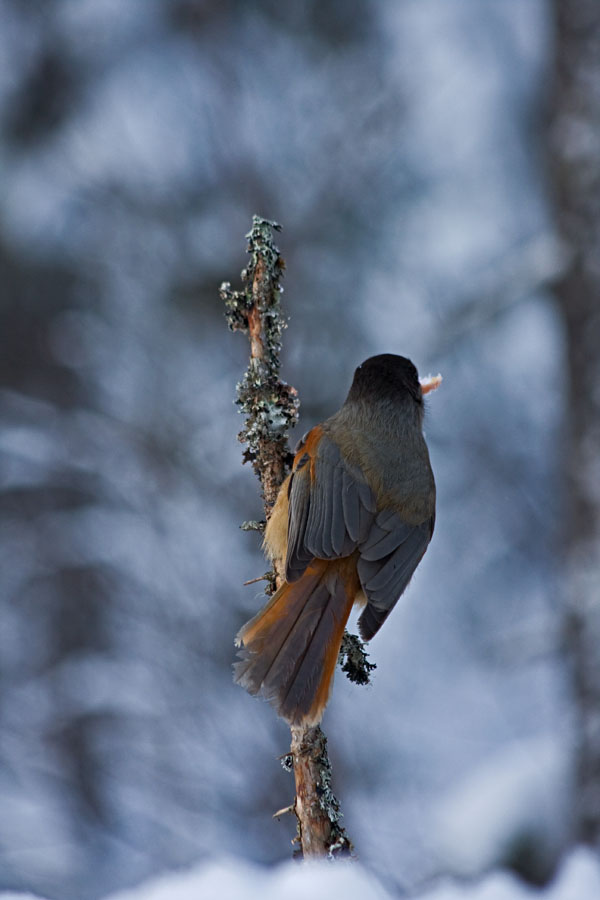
(351, 524)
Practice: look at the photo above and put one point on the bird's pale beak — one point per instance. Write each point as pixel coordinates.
(430, 383)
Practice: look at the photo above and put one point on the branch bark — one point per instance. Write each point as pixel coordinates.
(271, 408)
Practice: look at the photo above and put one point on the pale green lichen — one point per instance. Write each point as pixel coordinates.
(268, 403)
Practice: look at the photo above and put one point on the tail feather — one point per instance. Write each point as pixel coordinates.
(284, 671)
(308, 691)
(290, 648)
(263, 638)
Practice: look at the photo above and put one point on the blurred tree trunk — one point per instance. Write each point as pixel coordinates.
(576, 161)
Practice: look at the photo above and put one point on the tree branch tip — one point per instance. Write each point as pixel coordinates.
(253, 525)
(286, 809)
(259, 221)
(265, 577)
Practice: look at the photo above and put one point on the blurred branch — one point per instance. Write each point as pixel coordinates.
(271, 408)
(576, 170)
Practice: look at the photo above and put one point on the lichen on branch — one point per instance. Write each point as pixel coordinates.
(354, 660)
(268, 403)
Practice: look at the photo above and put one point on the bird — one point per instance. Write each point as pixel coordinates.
(350, 524)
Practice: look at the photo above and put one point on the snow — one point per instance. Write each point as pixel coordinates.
(232, 879)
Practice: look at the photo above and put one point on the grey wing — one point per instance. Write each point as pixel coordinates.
(331, 508)
(388, 558)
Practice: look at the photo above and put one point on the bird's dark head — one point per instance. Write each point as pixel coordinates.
(388, 377)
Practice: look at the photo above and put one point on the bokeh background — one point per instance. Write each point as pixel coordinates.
(406, 147)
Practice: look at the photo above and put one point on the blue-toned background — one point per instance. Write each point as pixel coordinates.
(402, 146)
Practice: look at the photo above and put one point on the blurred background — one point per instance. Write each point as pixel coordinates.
(434, 164)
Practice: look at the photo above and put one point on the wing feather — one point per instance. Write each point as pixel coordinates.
(333, 512)
(385, 577)
(331, 507)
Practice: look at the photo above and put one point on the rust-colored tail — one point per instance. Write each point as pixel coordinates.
(290, 648)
